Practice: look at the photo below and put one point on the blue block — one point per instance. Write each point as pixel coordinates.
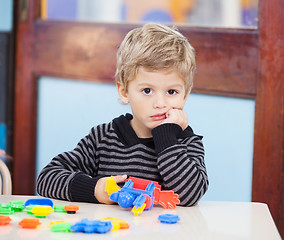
(39, 201)
(88, 226)
(168, 218)
(128, 196)
(139, 201)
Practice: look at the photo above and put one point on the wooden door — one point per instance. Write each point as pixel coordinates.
(247, 63)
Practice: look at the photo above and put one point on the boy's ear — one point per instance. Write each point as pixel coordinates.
(122, 92)
(186, 95)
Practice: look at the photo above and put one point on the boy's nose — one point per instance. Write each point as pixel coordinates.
(160, 101)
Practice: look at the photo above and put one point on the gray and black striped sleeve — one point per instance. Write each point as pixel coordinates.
(68, 175)
(181, 163)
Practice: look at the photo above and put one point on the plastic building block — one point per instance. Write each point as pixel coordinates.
(42, 211)
(127, 196)
(79, 226)
(71, 209)
(59, 208)
(117, 223)
(165, 198)
(124, 199)
(61, 227)
(88, 226)
(98, 227)
(39, 201)
(17, 206)
(140, 201)
(140, 183)
(168, 218)
(3, 205)
(6, 211)
(5, 220)
(138, 210)
(13, 206)
(137, 191)
(149, 201)
(111, 185)
(29, 223)
(124, 225)
(55, 222)
(29, 209)
(131, 197)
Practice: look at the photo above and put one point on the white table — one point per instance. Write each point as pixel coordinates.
(207, 220)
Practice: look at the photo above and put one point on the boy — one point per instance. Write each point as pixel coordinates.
(155, 67)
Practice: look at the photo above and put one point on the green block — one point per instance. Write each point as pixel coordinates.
(29, 209)
(17, 206)
(61, 227)
(59, 208)
(5, 206)
(6, 211)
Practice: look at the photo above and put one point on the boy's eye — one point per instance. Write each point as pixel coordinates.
(147, 91)
(172, 92)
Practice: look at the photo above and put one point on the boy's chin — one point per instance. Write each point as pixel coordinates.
(156, 124)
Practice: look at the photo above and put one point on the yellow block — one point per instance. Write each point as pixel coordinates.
(111, 186)
(139, 210)
(55, 222)
(42, 211)
(115, 222)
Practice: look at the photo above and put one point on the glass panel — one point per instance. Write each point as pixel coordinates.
(218, 13)
(6, 15)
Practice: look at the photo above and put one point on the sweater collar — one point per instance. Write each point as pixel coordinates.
(127, 135)
(124, 130)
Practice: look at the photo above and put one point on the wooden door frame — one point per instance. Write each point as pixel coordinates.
(231, 62)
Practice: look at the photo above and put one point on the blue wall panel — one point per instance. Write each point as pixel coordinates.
(6, 15)
(3, 136)
(227, 125)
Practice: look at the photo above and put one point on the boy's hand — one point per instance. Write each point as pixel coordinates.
(176, 116)
(100, 193)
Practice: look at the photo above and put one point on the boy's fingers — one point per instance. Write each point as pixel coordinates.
(120, 178)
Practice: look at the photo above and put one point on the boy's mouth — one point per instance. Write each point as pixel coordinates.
(159, 117)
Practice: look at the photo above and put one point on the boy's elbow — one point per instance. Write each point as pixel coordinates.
(40, 188)
(189, 203)
(195, 198)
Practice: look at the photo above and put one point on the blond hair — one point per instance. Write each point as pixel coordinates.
(155, 47)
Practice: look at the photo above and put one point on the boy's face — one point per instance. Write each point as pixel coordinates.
(151, 95)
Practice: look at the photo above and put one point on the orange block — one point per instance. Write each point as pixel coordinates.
(29, 223)
(5, 220)
(71, 209)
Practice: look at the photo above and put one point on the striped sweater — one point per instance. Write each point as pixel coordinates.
(173, 157)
